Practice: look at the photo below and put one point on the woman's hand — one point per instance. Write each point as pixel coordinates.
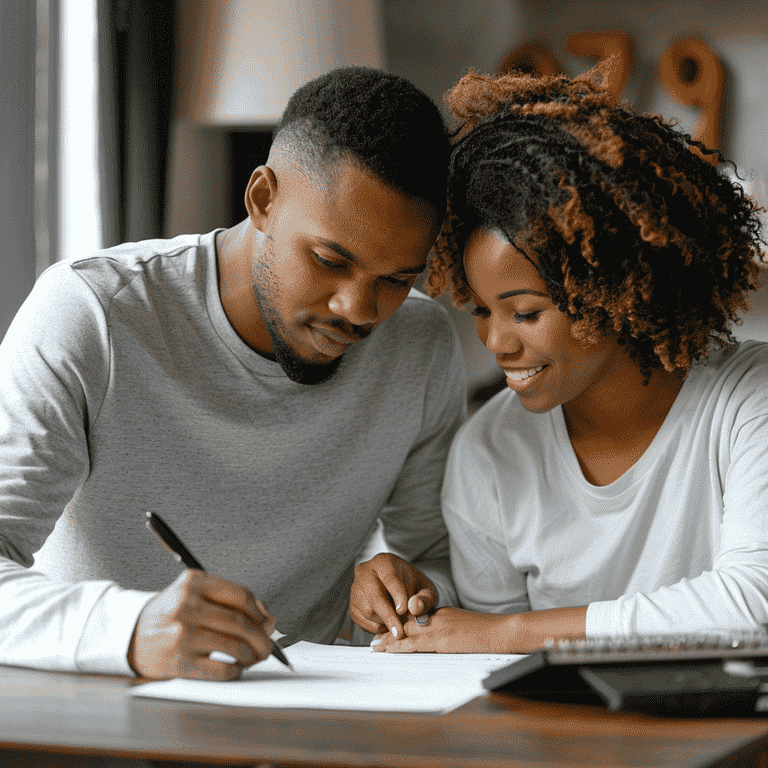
(454, 630)
(451, 630)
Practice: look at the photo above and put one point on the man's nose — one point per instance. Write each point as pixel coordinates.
(355, 301)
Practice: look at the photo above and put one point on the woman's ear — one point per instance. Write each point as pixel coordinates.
(260, 196)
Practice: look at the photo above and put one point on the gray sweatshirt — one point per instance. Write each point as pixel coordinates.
(123, 388)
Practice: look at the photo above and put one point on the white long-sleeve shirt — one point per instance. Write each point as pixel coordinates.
(678, 543)
(124, 388)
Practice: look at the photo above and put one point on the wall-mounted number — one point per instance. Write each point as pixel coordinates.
(533, 57)
(691, 73)
(688, 70)
(616, 46)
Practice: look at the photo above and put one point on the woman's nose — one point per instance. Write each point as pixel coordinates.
(499, 338)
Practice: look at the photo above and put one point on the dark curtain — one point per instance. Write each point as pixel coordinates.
(135, 87)
(17, 155)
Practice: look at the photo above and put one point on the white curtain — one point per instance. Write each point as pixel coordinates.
(78, 192)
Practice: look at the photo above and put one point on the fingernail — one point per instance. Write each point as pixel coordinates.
(394, 631)
(399, 605)
(375, 641)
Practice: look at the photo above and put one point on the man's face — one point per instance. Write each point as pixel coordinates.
(338, 257)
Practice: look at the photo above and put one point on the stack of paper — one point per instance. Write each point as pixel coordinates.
(344, 677)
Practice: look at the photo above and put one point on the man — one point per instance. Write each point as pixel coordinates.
(255, 387)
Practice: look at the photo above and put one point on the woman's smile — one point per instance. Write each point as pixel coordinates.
(522, 376)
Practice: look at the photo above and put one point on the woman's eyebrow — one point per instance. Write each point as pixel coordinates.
(519, 291)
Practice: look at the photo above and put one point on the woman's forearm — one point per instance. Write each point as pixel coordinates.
(455, 630)
(529, 631)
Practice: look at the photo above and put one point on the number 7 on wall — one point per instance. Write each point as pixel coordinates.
(688, 70)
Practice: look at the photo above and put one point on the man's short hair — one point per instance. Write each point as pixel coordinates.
(379, 119)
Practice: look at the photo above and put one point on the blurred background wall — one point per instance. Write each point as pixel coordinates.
(434, 42)
(231, 64)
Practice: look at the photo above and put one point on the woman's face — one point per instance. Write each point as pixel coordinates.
(531, 338)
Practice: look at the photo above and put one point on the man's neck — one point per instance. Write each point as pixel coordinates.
(235, 248)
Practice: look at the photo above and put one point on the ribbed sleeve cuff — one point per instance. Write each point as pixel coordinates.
(103, 647)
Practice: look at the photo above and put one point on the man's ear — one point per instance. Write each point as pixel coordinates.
(260, 196)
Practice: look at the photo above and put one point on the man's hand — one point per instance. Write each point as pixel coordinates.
(451, 630)
(196, 614)
(385, 588)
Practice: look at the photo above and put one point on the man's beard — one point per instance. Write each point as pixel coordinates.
(295, 368)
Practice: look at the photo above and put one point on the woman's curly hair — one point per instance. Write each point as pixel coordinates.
(632, 230)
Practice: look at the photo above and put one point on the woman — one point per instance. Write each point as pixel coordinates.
(620, 484)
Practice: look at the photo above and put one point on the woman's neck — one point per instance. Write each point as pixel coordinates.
(610, 427)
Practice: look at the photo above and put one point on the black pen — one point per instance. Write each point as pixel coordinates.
(162, 530)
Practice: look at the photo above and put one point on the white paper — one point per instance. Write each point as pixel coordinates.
(344, 677)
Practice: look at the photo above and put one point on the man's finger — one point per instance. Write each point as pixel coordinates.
(206, 641)
(383, 608)
(393, 583)
(217, 590)
(423, 601)
(369, 625)
(221, 621)
(203, 668)
(269, 620)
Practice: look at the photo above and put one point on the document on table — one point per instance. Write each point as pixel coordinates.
(345, 677)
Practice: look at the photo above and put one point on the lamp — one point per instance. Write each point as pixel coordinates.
(240, 60)
(237, 64)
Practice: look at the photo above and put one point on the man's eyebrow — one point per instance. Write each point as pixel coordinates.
(520, 291)
(345, 254)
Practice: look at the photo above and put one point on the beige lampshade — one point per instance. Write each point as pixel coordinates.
(238, 61)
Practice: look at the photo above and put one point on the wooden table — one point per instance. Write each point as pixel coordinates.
(61, 720)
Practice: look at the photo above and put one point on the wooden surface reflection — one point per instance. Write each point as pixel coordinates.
(56, 719)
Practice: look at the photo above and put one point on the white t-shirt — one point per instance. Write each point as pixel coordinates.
(678, 543)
